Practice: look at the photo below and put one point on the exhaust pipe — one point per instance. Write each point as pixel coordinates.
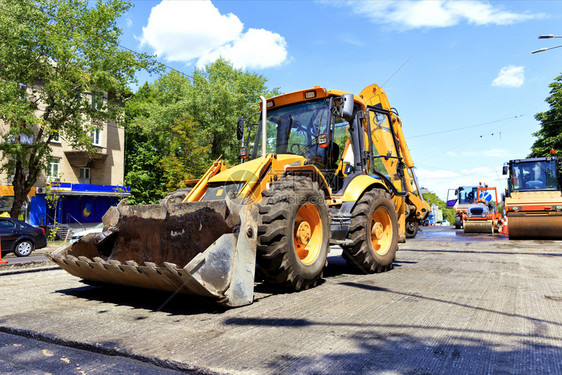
(263, 125)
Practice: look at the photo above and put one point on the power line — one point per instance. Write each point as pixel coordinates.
(465, 127)
(397, 70)
(161, 63)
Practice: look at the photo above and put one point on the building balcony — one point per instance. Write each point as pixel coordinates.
(83, 158)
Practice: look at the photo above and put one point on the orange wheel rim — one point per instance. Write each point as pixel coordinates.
(307, 233)
(381, 231)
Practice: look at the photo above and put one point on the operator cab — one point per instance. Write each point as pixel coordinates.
(313, 129)
(533, 174)
(332, 132)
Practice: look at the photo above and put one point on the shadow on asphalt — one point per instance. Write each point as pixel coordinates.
(184, 304)
(378, 353)
(174, 304)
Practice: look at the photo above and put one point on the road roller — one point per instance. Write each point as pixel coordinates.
(482, 216)
(459, 199)
(533, 202)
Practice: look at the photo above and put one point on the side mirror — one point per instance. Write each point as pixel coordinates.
(347, 106)
(240, 128)
(505, 170)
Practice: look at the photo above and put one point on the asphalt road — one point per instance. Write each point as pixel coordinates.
(454, 303)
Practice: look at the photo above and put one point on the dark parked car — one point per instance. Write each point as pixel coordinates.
(19, 237)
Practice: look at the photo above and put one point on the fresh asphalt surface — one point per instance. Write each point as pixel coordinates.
(454, 303)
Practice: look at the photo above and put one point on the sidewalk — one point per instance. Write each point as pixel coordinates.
(51, 246)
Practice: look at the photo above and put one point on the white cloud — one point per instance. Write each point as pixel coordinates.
(510, 76)
(410, 14)
(188, 31)
(246, 52)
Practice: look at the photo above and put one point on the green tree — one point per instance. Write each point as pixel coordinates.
(448, 213)
(187, 160)
(61, 59)
(219, 94)
(178, 125)
(150, 117)
(550, 135)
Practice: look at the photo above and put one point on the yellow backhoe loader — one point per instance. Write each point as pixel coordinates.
(321, 167)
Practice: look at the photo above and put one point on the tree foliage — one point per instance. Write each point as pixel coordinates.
(178, 125)
(58, 59)
(550, 135)
(187, 159)
(448, 213)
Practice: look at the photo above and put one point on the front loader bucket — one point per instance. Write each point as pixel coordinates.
(201, 248)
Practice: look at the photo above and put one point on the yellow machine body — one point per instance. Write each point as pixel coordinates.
(203, 241)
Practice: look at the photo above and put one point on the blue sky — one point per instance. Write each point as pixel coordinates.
(460, 73)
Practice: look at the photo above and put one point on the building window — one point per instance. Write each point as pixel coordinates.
(22, 87)
(56, 137)
(96, 137)
(97, 101)
(84, 173)
(26, 139)
(54, 167)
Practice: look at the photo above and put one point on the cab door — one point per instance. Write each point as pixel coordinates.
(452, 197)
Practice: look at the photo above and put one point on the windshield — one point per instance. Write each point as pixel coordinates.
(296, 128)
(467, 194)
(540, 175)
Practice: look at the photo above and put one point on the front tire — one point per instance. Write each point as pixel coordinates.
(293, 233)
(23, 248)
(373, 233)
(458, 222)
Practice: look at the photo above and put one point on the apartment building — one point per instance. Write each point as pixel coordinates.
(85, 183)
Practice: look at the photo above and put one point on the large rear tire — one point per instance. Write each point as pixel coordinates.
(412, 227)
(373, 233)
(293, 233)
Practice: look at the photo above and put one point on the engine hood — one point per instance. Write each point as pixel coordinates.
(251, 170)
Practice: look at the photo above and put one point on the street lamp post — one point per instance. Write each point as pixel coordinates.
(548, 36)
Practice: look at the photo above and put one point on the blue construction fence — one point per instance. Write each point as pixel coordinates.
(76, 203)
